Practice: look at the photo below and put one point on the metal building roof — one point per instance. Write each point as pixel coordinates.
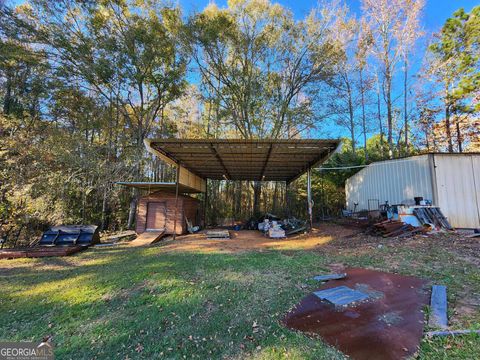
(252, 159)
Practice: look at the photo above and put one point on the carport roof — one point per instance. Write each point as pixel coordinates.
(159, 186)
(252, 159)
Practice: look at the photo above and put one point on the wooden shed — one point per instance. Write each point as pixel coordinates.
(156, 211)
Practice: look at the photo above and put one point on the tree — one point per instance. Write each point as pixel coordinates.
(364, 43)
(393, 23)
(261, 66)
(346, 100)
(455, 64)
(113, 68)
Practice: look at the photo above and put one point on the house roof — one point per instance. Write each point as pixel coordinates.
(252, 159)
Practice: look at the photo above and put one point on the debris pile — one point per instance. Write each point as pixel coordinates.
(390, 228)
(404, 221)
(275, 227)
(272, 228)
(432, 216)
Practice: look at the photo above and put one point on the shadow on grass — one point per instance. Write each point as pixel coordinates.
(145, 303)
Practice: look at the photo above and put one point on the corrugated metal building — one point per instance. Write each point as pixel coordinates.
(450, 181)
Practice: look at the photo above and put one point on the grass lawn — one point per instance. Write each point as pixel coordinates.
(210, 303)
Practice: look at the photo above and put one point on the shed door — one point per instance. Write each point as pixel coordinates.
(156, 216)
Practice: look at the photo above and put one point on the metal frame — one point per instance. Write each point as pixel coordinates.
(249, 159)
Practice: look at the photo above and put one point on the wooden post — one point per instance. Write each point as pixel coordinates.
(309, 197)
(176, 202)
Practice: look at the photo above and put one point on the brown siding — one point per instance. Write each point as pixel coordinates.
(186, 205)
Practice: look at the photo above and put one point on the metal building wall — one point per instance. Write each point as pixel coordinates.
(395, 181)
(457, 178)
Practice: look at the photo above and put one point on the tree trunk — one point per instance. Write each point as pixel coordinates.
(104, 209)
(364, 122)
(131, 212)
(275, 195)
(379, 113)
(405, 107)
(287, 201)
(257, 191)
(388, 94)
(459, 138)
(352, 119)
(238, 199)
(447, 127)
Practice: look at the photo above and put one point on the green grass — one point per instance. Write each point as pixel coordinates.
(150, 303)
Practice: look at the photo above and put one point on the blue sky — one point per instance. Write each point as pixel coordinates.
(434, 16)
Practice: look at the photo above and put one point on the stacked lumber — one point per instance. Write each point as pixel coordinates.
(391, 228)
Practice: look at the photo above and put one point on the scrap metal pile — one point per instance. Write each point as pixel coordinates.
(391, 228)
(432, 217)
(276, 227)
(411, 220)
(57, 241)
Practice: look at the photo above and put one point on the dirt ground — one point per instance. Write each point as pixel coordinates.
(326, 237)
(246, 240)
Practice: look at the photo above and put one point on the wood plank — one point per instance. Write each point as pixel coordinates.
(147, 238)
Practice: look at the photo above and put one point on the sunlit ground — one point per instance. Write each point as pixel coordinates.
(217, 299)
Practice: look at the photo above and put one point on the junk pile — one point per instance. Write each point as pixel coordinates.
(431, 216)
(275, 227)
(272, 228)
(404, 221)
(390, 228)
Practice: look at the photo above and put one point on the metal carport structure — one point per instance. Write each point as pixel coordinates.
(197, 160)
